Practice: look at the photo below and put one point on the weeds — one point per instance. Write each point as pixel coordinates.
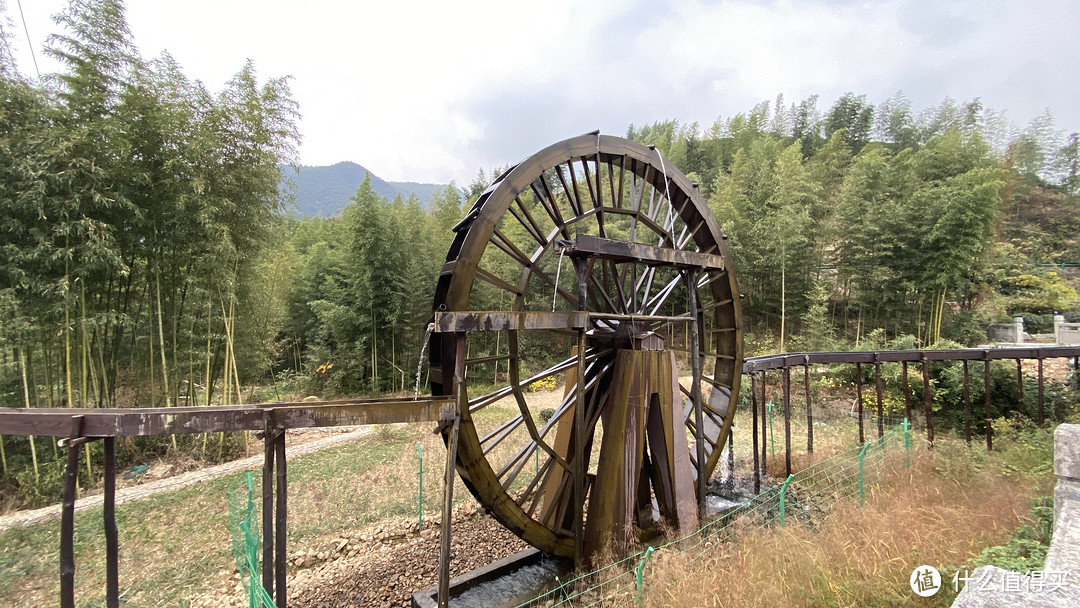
(950, 504)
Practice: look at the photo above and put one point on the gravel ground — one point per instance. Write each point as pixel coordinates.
(379, 566)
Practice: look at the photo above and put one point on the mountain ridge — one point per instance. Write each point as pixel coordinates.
(324, 190)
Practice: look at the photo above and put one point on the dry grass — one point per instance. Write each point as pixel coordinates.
(952, 506)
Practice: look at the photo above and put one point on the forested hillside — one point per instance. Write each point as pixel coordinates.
(325, 191)
(930, 223)
(144, 258)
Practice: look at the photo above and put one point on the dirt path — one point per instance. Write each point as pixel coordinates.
(169, 484)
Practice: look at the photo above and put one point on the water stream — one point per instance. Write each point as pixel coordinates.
(513, 588)
(420, 363)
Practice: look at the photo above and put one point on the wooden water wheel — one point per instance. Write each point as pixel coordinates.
(597, 258)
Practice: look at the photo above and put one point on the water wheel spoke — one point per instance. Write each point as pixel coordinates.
(662, 296)
(530, 489)
(547, 201)
(604, 296)
(505, 391)
(501, 432)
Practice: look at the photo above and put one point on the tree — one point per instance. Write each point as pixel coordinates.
(895, 123)
(854, 117)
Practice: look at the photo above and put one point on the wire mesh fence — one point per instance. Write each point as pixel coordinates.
(244, 530)
(810, 490)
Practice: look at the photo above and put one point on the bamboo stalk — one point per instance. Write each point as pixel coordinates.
(26, 403)
(209, 387)
(161, 343)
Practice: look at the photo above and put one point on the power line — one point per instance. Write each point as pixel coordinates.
(29, 42)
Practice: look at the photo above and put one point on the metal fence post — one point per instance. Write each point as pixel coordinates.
(640, 575)
(783, 497)
(420, 494)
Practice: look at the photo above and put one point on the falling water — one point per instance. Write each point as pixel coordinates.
(420, 363)
(729, 481)
(558, 271)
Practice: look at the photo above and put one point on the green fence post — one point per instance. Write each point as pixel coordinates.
(772, 444)
(783, 497)
(420, 499)
(640, 574)
(862, 453)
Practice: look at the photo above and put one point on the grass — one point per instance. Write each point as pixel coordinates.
(176, 545)
(943, 511)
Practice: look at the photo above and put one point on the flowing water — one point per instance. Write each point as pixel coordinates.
(420, 363)
(558, 271)
(513, 588)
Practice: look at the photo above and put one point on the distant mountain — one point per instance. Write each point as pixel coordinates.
(325, 191)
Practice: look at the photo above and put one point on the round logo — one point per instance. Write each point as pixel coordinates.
(925, 581)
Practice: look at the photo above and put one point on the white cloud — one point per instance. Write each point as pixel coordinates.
(432, 91)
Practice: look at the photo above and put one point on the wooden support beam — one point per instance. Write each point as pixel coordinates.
(582, 271)
(754, 429)
(809, 411)
(764, 430)
(769, 362)
(787, 420)
(928, 407)
(460, 350)
(858, 398)
(626, 251)
(67, 516)
(121, 422)
(1020, 387)
(112, 539)
(880, 400)
(986, 405)
(1042, 403)
(268, 504)
(967, 406)
(695, 390)
(281, 519)
(907, 392)
(471, 321)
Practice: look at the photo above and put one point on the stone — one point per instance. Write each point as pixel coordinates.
(985, 589)
(993, 587)
(1066, 467)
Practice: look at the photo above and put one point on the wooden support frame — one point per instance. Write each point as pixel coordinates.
(809, 409)
(450, 476)
(112, 539)
(695, 388)
(967, 406)
(81, 426)
(787, 420)
(928, 406)
(754, 431)
(764, 423)
(858, 398)
(880, 399)
(907, 391)
(67, 516)
(986, 392)
(280, 518)
(267, 490)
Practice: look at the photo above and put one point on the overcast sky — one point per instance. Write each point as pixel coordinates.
(433, 91)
